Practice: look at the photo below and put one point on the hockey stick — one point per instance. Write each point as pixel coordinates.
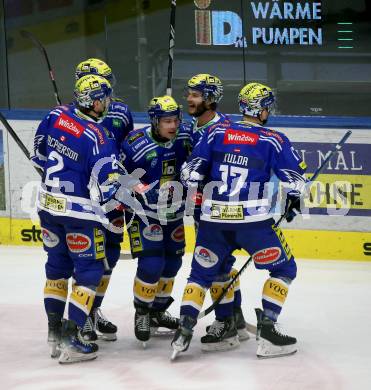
(171, 48)
(336, 148)
(40, 46)
(18, 141)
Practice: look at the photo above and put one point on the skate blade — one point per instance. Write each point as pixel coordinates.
(107, 336)
(174, 355)
(54, 349)
(69, 358)
(162, 332)
(276, 355)
(267, 350)
(243, 335)
(225, 345)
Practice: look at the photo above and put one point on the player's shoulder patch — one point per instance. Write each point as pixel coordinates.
(119, 105)
(135, 137)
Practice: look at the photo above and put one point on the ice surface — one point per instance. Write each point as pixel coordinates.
(328, 309)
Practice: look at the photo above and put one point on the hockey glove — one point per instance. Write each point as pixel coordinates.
(292, 207)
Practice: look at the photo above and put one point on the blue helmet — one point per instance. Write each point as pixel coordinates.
(90, 88)
(162, 106)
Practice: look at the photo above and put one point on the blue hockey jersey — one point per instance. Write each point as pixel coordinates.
(118, 121)
(198, 131)
(236, 161)
(78, 159)
(160, 161)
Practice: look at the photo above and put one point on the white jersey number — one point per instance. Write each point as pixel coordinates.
(54, 156)
(233, 172)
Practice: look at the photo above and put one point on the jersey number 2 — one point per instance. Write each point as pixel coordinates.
(54, 156)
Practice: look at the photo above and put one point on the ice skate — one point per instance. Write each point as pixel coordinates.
(97, 326)
(162, 323)
(88, 331)
(141, 325)
(221, 336)
(181, 341)
(74, 348)
(105, 329)
(272, 343)
(183, 336)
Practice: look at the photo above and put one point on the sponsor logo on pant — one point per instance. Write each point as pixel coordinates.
(77, 242)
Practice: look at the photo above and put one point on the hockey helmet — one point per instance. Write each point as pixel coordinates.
(90, 88)
(94, 66)
(254, 98)
(163, 106)
(210, 86)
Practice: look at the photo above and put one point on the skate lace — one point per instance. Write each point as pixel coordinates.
(216, 328)
(89, 326)
(99, 317)
(167, 317)
(278, 329)
(81, 339)
(142, 322)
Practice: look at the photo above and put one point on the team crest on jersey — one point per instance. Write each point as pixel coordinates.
(77, 242)
(50, 239)
(178, 234)
(205, 257)
(267, 256)
(153, 233)
(237, 137)
(69, 125)
(134, 137)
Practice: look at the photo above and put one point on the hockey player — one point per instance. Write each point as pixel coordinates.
(119, 122)
(236, 161)
(160, 150)
(203, 94)
(119, 119)
(69, 145)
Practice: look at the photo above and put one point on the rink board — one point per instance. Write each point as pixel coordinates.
(310, 244)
